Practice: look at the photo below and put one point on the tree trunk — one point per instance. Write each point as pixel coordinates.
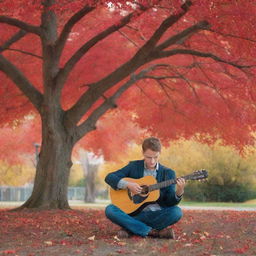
(90, 188)
(90, 164)
(53, 168)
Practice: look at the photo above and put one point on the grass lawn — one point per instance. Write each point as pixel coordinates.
(102, 204)
(251, 203)
(87, 232)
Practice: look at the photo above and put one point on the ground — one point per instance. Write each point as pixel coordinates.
(88, 232)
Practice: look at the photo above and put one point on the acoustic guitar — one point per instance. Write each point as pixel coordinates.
(133, 203)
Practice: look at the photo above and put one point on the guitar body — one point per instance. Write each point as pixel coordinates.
(131, 204)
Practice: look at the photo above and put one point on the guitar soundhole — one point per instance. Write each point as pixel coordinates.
(144, 190)
(139, 198)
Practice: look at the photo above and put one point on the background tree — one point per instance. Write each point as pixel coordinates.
(18, 142)
(231, 175)
(90, 163)
(195, 63)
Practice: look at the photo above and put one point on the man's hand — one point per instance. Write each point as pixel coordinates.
(134, 187)
(180, 187)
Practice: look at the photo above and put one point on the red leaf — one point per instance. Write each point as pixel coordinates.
(8, 252)
(242, 249)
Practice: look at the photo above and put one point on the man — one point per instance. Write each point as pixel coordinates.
(154, 219)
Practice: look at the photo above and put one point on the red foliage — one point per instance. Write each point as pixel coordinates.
(114, 133)
(19, 140)
(203, 96)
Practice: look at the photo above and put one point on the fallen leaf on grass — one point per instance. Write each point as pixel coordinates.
(91, 238)
(206, 233)
(48, 242)
(122, 251)
(8, 252)
(121, 243)
(242, 250)
(49, 228)
(116, 238)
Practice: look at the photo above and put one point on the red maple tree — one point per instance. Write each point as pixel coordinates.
(72, 61)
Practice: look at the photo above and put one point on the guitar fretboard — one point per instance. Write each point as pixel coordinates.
(165, 183)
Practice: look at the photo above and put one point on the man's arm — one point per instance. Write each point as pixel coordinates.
(114, 179)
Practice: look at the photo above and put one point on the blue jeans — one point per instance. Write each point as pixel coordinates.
(143, 222)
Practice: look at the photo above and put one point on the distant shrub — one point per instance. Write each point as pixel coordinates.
(219, 193)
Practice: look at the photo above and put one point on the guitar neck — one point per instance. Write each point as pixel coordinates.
(165, 183)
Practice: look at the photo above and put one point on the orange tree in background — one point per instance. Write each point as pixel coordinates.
(192, 64)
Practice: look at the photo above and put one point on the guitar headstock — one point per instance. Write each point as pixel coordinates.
(198, 175)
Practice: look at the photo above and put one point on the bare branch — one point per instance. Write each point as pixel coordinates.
(125, 36)
(137, 31)
(69, 25)
(165, 25)
(193, 89)
(148, 96)
(16, 37)
(163, 85)
(25, 52)
(234, 36)
(21, 81)
(213, 87)
(164, 54)
(173, 102)
(202, 25)
(162, 77)
(20, 24)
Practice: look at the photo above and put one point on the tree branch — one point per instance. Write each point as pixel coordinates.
(202, 25)
(90, 122)
(21, 81)
(164, 54)
(213, 87)
(130, 40)
(60, 44)
(25, 52)
(140, 58)
(231, 35)
(20, 24)
(162, 77)
(16, 37)
(149, 96)
(165, 25)
(64, 72)
(178, 76)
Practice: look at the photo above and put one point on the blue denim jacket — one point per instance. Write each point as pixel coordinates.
(135, 170)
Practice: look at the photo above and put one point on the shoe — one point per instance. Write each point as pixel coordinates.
(122, 233)
(167, 233)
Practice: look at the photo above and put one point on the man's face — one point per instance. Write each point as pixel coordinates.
(151, 158)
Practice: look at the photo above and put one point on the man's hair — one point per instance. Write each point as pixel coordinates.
(151, 143)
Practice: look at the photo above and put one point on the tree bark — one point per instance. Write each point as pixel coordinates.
(53, 168)
(90, 164)
(90, 186)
